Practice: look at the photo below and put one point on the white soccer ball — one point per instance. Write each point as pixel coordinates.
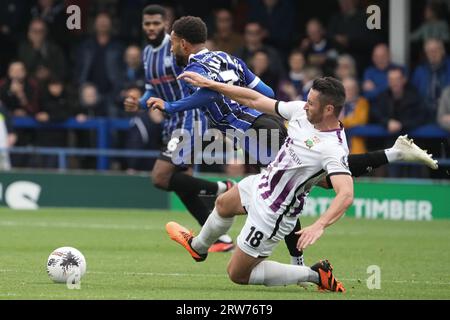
(67, 265)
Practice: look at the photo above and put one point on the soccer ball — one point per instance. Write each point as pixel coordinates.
(66, 264)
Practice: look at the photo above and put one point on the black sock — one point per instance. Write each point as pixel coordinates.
(361, 164)
(291, 241)
(180, 182)
(195, 206)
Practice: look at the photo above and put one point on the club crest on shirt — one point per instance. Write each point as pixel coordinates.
(168, 61)
(310, 142)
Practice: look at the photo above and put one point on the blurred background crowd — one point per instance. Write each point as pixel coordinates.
(52, 74)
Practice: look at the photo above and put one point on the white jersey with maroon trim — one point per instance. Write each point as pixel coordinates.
(306, 157)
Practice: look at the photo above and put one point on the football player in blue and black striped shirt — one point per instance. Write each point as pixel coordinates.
(161, 74)
(188, 45)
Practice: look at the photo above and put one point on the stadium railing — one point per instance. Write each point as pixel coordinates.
(105, 126)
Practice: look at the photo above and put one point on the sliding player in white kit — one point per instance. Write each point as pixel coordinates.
(315, 147)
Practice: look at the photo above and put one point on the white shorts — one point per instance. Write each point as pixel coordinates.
(263, 228)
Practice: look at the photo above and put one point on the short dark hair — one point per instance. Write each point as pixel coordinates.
(55, 80)
(331, 92)
(155, 9)
(190, 28)
(399, 69)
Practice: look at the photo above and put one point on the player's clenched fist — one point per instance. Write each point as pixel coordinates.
(156, 103)
(131, 104)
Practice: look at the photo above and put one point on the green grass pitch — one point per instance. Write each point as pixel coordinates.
(129, 256)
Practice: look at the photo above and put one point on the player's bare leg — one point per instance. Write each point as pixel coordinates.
(228, 203)
(241, 265)
(167, 176)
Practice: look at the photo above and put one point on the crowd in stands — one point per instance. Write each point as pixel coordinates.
(52, 74)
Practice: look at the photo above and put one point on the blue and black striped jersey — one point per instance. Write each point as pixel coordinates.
(222, 67)
(161, 81)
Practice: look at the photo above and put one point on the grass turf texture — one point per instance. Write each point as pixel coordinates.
(130, 256)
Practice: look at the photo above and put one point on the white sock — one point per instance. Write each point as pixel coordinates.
(221, 187)
(214, 227)
(393, 155)
(297, 261)
(271, 273)
(225, 238)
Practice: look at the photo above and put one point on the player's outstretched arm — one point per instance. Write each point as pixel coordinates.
(343, 186)
(244, 96)
(200, 98)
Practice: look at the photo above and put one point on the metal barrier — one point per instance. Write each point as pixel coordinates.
(63, 153)
(104, 127)
(429, 131)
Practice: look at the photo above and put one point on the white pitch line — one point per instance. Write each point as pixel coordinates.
(217, 275)
(76, 225)
(224, 275)
(211, 275)
(8, 294)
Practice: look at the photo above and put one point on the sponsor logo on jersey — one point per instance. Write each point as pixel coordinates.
(168, 61)
(309, 143)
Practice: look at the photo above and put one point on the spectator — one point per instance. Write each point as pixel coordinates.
(54, 15)
(55, 107)
(399, 109)
(259, 64)
(171, 16)
(375, 77)
(7, 138)
(20, 95)
(433, 76)
(318, 50)
(100, 61)
(14, 16)
(19, 92)
(434, 26)
(54, 103)
(310, 74)
(144, 134)
(91, 103)
(254, 36)
(346, 67)
(349, 32)
(128, 14)
(133, 74)
(443, 117)
(134, 71)
(278, 17)
(355, 113)
(224, 37)
(43, 59)
(291, 87)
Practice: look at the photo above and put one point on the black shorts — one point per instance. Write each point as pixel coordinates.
(274, 128)
(170, 152)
